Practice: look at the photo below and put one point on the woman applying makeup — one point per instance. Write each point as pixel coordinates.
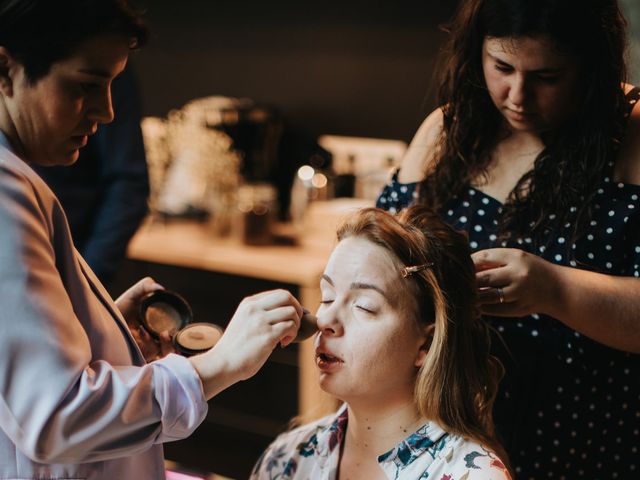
(83, 392)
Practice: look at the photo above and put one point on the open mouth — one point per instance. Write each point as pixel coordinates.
(325, 360)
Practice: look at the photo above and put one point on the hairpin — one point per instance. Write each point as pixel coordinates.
(406, 271)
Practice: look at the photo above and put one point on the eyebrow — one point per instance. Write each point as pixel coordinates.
(541, 70)
(359, 286)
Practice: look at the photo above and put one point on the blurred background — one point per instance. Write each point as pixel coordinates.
(259, 113)
(351, 68)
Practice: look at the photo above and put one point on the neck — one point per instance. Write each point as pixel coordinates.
(9, 129)
(374, 429)
(523, 137)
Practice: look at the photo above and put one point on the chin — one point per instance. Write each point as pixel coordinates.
(67, 159)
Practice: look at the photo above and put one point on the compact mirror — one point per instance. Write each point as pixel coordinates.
(164, 310)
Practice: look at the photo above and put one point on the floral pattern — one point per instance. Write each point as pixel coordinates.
(313, 452)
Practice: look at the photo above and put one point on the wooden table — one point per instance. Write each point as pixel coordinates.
(194, 245)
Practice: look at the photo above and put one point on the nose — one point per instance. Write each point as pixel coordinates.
(101, 107)
(518, 91)
(329, 322)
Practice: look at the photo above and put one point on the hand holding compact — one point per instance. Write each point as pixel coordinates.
(128, 303)
(259, 324)
(512, 282)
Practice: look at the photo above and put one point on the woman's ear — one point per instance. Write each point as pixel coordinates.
(428, 332)
(7, 64)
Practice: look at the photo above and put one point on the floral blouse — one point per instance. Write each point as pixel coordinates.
(312, 451)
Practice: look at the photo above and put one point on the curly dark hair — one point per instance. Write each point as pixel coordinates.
(567, 172)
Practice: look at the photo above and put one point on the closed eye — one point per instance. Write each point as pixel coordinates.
(503, 68)
(364, 309)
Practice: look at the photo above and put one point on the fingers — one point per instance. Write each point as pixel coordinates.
(491, 258)
(494, 277)
(494, 295)
(135, 292)
(281, 314)
(144, 286)
(285, 332)
(166, 344)
(273, 299)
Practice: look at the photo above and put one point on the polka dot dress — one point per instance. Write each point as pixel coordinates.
(568, 407)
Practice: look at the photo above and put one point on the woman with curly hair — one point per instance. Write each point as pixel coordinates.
(534, 152)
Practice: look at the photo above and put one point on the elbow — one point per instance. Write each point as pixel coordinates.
(42, 452)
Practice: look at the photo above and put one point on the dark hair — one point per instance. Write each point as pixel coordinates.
(457, 384)
(38, 33)
(567, 172)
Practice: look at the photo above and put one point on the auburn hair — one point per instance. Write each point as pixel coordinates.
(457, 384)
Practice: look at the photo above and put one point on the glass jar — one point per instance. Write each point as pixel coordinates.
(257, 211)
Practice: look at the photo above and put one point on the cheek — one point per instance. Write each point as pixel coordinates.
(395, 351)
(557, 103)
(496, 86)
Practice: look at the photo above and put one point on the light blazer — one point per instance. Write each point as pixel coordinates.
(77, 400)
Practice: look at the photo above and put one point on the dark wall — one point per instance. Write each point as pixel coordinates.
(349, 68)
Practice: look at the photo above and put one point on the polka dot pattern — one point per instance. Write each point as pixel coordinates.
(568, 407)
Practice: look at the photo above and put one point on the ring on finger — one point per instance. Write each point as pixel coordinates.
(500, 295)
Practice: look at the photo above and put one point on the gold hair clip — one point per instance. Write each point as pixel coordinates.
(406, 271)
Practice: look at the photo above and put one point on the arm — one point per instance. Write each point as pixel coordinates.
(61, 400)
(421, 150)
(602, 307)
(118, 150)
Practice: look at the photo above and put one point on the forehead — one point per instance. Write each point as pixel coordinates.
(104, 54)
(534, 51)
(356, 259)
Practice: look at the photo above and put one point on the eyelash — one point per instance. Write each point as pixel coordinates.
(364, 309)
(505, 69)
(327, 302)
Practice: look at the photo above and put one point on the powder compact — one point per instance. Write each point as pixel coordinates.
(197, 338)
(166, 311)
(163, 311)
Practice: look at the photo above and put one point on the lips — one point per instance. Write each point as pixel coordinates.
(519, 115)
(80, 140)
(325, 359)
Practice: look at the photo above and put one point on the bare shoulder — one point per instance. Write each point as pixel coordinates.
(627, 168)
(422, 149)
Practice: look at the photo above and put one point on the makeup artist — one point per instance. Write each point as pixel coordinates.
(77, 396)
(535, 153)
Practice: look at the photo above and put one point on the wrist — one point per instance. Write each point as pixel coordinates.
(214, 371)
(557, 297)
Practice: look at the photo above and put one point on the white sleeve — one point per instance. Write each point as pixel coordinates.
(58, 403)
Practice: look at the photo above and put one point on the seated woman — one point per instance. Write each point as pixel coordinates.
(402, 344)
